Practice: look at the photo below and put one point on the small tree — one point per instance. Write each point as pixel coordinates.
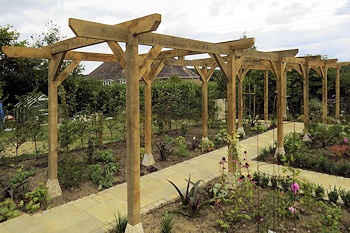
(20, 134)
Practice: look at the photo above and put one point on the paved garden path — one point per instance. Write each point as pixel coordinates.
(94, 213)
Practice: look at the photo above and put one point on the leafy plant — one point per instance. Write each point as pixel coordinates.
(345, 196)
(120, 223)
(166, 223)
(36, 198)
(71, 173)
(319, 192)
(8, 210)
(333, 195)
(105, 156)
(206, 145)
(181, 144)
(103, 175)
(163, 149)
(190, 201)
(220, 138)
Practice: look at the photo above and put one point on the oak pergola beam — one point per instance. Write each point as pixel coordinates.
(99, 31)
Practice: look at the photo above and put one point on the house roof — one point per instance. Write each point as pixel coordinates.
(114, 71)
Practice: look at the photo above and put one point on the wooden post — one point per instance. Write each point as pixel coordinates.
(52, 184)
(266, 96)
(204, 109)
(337, 95)
(306, 77)
(133, 134)
(324, 71)
(205, 74)
(284, 94)
(241, 75)
(280, 110)
(148, 159)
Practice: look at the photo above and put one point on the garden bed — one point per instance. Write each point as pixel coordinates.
(252, 208)
(327, 151)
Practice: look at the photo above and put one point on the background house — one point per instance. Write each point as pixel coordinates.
(112, 72)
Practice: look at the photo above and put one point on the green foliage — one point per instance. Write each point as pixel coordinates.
(8, 210)
(120, 223)
(206, 145)
(105, 156)
(164, 149)
(36, 198)
(166, 223)
(191, 204)
(181, 147)
(103, 175)
(330, 217)
(71, 172)
(264, 153)
(22, 175)
(345, 196)
(333, 194)
(319, 192)
(220, 138)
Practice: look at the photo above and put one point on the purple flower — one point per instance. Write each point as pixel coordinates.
(295, 187)
(291, 209)
(346, 140)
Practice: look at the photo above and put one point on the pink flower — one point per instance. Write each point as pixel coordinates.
(346, 140)
(295, 187)
(291, 209)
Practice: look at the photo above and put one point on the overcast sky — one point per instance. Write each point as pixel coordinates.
(317, 27)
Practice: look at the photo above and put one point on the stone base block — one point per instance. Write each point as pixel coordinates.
(53, 188)
(134, 229)
(280, 151)
(240, 130)
(147, 160)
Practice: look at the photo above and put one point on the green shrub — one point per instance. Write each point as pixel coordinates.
(166, 223)
(120, 224)
(206, 145)
(333, 195)
(345, 196)
(319, 192)
(103, 176)
(105, 156)
(36, 198)
(8, 210)
(71, 173)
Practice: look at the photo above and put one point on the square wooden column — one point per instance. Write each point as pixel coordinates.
(133, 135)
(324, 71)
(337, 95)
(306, 77)
(52, 184)
(266, 96)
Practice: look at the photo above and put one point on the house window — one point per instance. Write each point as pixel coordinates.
(106, 83)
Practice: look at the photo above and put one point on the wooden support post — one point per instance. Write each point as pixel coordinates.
(133, 135)
(148, 78)
(306, 77)
(284, 95)
(324, 71)
(337, 95)
(241, 75)
(52, 184)
(266, 96)
(148, 159)
(280, 110)
(204, 109)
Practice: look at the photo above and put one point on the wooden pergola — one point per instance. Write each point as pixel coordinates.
(234, 58)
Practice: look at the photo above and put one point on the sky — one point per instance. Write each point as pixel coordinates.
(315, 27)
